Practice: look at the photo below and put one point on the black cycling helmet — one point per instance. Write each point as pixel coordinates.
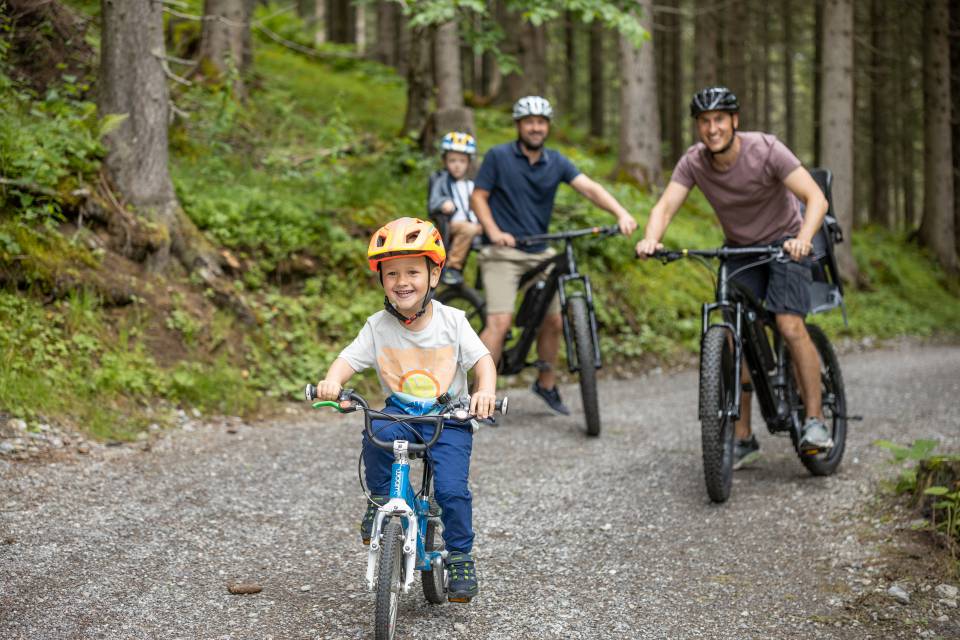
(713, 99)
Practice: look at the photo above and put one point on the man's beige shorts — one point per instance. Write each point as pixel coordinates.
(502, 268)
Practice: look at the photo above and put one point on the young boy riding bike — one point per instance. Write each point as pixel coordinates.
(421, 350)
(450, 196)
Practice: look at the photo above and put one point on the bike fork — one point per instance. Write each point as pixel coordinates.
(397, 507)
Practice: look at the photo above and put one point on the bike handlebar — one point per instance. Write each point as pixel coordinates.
(721, 253)
(565, 235)
(452, 411)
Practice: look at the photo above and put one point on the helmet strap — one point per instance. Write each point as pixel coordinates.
(392, 310)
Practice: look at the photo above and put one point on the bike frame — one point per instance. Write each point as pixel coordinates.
(562, 273)
(746, 321)
(414, 514)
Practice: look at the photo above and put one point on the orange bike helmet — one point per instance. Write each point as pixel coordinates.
(405, 238)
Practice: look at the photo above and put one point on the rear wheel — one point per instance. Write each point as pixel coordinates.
(434, 589)
(467, 300)
(717, 388)
(583, 347)
(834, 403)
(389, 582)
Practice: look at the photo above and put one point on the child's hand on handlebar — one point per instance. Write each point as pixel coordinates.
(646, 248)
(328, 390)
(483, 403)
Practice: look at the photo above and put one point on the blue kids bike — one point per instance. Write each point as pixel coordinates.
(407, 533)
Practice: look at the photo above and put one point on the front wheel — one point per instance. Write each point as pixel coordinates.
(717, 387)
(583, 347)
(467, 300)
(389, 582)
(834, 403)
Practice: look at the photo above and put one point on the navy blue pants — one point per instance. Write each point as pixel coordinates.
(451, 469)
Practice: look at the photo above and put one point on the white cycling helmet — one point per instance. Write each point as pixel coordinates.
(532, 106)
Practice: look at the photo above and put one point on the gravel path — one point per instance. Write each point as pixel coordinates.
(576, 538)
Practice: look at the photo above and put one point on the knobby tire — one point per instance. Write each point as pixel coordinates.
(583, 347)
(389, 582)
(717, 385)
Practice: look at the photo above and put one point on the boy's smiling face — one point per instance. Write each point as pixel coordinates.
(456, 163)
(407, 280)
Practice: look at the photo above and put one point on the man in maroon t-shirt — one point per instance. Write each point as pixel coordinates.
(753, 181)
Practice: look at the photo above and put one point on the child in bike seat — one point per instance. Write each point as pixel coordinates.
(450, 198)
(421, 350)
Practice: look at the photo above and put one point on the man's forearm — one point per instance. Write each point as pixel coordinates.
(813, 218)
(656, 225)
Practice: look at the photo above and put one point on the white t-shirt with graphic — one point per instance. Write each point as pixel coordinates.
(418, 366)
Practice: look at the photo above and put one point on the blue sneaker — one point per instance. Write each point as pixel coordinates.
(463, 585)
(551, 397)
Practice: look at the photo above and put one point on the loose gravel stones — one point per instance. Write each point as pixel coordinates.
(122, 544)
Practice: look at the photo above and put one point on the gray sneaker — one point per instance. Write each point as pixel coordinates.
(815, 437)
(745, 452)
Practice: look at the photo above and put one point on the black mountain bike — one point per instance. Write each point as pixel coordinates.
(746, 329)
(577, 312)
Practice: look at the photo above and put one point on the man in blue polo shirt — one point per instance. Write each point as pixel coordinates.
(513, 197)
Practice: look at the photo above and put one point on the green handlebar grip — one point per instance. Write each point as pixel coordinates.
(328, 403)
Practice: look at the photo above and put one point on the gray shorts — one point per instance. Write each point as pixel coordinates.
(784, 287)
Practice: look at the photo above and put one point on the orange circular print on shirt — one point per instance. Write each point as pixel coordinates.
(420, 383)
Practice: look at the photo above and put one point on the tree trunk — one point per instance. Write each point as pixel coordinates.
(882, 210)
(936, 230)
(765, 76)
(908, 125)
(360, 27)
(677, 119)
(837, 128)
(447, 57)
(735, 59)
(597, 86)
(570, 57)
(247, 60)
(222, 41)
(419, 85)
(132, 82)
(451, 115)
(955, 119)
(705, 52)
(533, 60)
(670, 77)
(790, 124)
(341, 24)
(387, 23)
(320, 22)
(639, 157)
(817, 79)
